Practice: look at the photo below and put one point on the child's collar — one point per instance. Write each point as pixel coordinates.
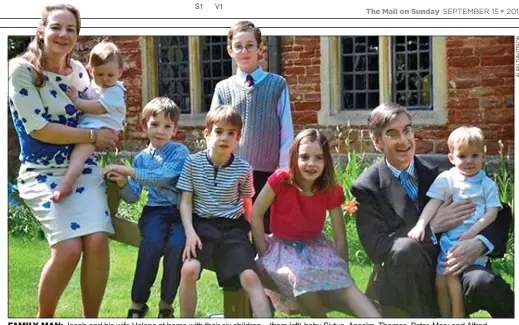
(227, 164)
(255, 74)
(153, 150)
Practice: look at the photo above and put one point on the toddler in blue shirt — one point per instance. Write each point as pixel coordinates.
(157, 168)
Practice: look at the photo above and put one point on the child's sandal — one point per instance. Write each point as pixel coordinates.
(166, 313)
(136, 313)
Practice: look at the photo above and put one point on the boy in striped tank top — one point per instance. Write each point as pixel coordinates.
(216, 206)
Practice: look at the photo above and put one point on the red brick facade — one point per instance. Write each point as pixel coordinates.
(480, 91)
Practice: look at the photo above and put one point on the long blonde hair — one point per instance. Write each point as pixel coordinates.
(34, 53)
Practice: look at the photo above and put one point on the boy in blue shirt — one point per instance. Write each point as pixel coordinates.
(157, 168)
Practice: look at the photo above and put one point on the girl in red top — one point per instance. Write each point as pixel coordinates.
(309, 271)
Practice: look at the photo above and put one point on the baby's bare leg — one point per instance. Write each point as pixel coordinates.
(456, 295)
(79, 155)
(444, 301)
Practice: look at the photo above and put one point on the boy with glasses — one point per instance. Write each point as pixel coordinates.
(263, 101)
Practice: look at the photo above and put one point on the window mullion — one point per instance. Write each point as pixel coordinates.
(385, 68)
(195, 90)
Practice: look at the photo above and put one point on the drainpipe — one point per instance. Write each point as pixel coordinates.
(274, 52)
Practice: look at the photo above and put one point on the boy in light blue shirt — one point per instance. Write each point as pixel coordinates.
(156, 168)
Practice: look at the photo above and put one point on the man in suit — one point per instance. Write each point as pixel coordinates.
(402, 282)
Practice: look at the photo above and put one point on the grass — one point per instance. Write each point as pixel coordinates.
(27, 257)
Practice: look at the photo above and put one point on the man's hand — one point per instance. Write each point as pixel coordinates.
(450, 214)
(462, 255)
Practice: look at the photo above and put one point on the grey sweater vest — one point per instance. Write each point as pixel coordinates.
(260, 137)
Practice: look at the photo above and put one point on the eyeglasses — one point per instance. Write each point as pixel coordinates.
(236, 48)
(393, 135)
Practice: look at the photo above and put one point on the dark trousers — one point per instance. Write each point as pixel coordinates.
(260, 179)
(162, 235)
(405, 285)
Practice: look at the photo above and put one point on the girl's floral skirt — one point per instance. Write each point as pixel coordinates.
(299, 267)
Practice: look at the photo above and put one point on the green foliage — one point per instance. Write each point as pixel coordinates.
(505, 183)
(346, 172)
(21, 223)
(133, 211)
(17, 45)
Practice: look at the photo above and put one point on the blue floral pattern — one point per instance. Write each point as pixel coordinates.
(44, 164)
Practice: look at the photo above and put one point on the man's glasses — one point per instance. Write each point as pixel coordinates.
(408, 133)
(237, 48)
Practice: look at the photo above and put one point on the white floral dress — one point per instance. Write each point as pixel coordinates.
(43, 165)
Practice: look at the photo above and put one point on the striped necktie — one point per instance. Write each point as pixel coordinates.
(404, 180)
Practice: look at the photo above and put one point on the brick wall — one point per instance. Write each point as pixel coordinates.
(481, 87)
(480, 91)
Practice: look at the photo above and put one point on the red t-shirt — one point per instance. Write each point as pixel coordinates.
(295, 216)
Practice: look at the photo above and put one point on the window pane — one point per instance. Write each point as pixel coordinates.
(360, 82)
(413, 81)
(412, 44)
(360, 44)
(425, 85)
(173, 70)
(216, 66)
(373, 63)
(401, 98)
(373, 82)
(347, 82)
(360, 71)
(348, 100)
(360, 100)
(373, 99)
(347, 63)
(413, 100)
(412, 71)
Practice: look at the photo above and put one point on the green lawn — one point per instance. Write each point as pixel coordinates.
(26, 258)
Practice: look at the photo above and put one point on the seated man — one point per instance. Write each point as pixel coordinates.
(403, 279)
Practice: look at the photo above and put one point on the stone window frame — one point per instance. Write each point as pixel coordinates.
(331, 112)
(150, 88)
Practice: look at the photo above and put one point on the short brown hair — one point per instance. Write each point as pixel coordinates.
(382, 115)
(243, 26)
(158, 105)
(466, 136)
(225, 114)
(105, 52)
(327, 179)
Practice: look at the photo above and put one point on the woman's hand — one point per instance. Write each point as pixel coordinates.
(105, 138)
(72, 93)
